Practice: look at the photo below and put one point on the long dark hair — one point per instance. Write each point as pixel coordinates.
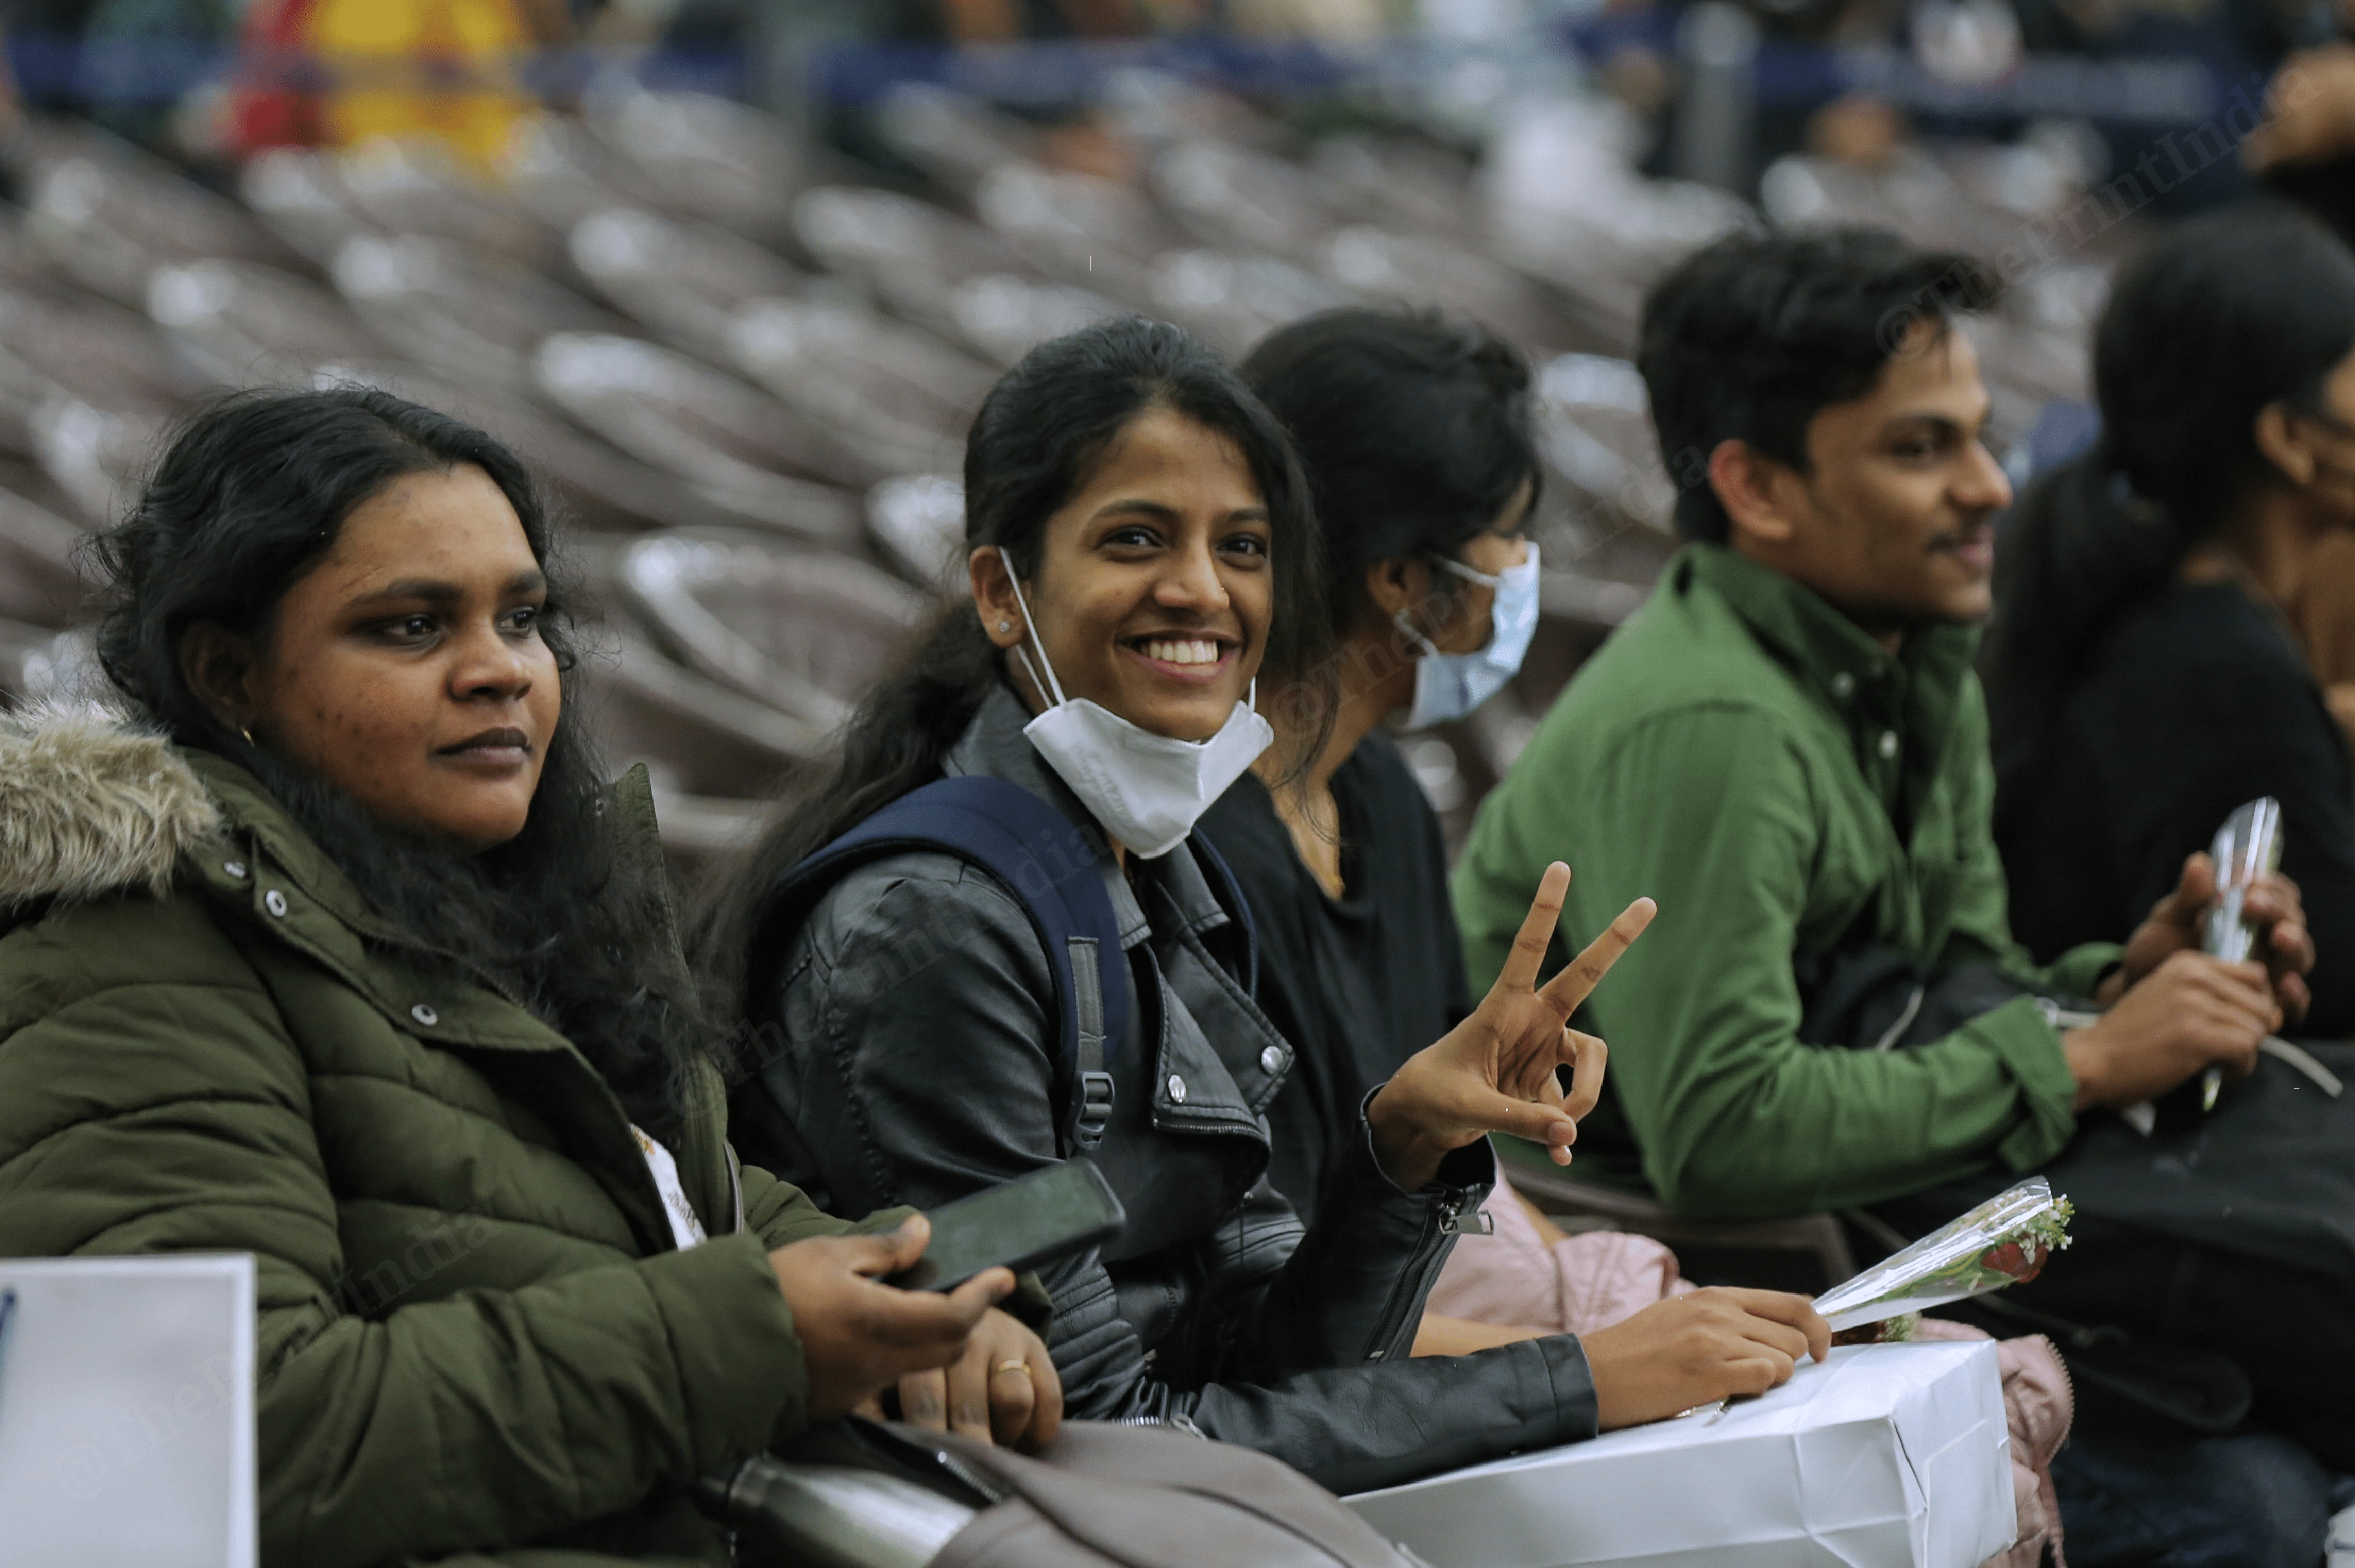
(248, 496)
(1039, 433)
(1414, 429)
(2203, 332)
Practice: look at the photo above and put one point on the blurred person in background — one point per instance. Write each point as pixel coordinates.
(127, 65)
(1416, 433)
(2143, 678)
(2304, 148)
(2323, 614)
(340, 952)
(336, 72)
(1141, 541)
(1787, 746)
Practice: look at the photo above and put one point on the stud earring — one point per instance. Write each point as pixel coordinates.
(1005, 625)
(247, 733)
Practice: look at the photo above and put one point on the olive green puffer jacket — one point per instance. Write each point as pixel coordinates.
(476, 1333)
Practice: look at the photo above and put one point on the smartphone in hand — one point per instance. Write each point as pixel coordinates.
(1032, 1219)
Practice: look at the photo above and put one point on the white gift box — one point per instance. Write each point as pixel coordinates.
(126, 1412)
(1886, 1457)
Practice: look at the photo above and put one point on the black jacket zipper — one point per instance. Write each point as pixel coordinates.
(1413, 1280)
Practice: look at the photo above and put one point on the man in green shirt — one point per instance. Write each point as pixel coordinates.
(1786, 748)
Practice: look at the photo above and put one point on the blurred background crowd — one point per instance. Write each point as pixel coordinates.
(735, 272)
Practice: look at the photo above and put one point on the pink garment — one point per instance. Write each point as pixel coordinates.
(2038, 1405)
(1514, 1279)
(1576, 1285)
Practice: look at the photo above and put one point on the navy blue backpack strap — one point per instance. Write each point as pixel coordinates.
(1047, 862)
(1230, 894)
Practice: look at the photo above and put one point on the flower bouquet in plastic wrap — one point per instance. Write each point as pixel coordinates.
(2005, 1240)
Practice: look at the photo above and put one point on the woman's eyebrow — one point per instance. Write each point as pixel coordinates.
(1137, 504)
(432, 591)
(435, 590)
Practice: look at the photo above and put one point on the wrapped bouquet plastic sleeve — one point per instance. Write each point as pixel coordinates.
(2005, 1240)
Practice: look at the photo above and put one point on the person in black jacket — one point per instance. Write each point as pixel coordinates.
(1141, 539)
(2143, 679)
(1416, 433)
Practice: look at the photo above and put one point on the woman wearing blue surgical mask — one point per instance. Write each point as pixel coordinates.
(1416, 434)
(1140, 543)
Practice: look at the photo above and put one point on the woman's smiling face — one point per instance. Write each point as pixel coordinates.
(1156, 583)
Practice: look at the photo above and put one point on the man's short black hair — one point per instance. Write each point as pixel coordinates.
(1748, 339)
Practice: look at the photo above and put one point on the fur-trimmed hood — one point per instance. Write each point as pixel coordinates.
(90, 805)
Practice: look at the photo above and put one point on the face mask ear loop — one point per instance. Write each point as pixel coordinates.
(1488, 580)
(1030, 630)
(1398, 619)
(1250, 697)
(1029, 667)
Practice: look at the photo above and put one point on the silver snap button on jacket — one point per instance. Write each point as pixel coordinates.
(1888, 744)
(1177, 1088)
(425, 1015)
(274, 902)
(1271, 1061)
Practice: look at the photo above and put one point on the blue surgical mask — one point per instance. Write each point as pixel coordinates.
(1449, 686)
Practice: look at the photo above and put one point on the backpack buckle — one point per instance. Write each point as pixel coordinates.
(1094, 1108)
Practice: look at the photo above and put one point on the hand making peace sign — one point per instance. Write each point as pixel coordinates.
(1495, 1071)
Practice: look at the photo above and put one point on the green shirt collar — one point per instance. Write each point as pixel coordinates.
(1820, 641)
(1900, 710)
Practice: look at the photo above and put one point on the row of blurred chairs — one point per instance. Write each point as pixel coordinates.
(745, 368)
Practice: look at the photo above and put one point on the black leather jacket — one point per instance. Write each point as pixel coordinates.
(917, 1067)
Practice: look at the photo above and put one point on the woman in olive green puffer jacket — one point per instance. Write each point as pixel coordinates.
(305, 965)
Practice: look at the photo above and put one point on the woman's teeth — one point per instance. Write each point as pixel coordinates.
(1185, 652)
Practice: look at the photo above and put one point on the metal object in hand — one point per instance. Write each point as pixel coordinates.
(2247, 846)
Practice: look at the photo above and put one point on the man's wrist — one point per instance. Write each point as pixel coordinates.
(2088, 1064)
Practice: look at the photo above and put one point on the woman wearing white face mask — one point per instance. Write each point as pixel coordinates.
(1140, 542)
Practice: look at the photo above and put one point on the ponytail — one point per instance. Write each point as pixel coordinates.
(2081, 547)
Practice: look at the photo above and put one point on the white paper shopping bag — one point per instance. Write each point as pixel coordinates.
(1888, 1456)
(126, 1412)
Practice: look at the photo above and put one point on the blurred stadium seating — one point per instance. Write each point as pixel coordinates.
(744, 364)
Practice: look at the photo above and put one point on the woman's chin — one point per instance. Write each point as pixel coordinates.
(1197, 718)
(472, 827)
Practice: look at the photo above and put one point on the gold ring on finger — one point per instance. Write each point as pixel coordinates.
(1011, 1366)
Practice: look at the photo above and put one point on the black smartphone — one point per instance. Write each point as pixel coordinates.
(1032, 1219)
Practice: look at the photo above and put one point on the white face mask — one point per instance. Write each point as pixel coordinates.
(1147, 790)
(1449, 686)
